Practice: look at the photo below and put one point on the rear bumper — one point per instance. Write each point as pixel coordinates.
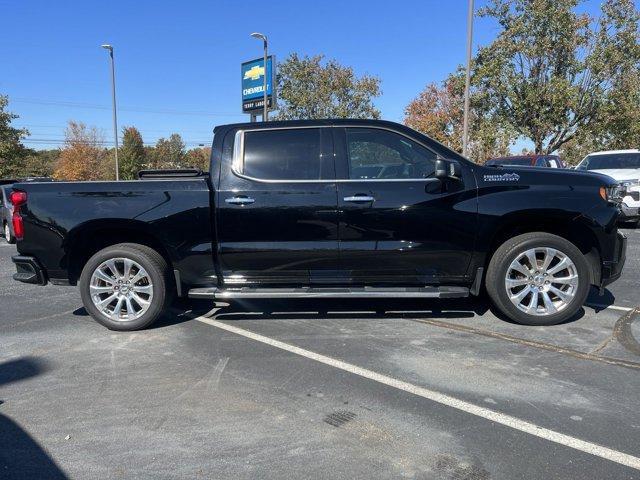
(28, 270)
(611, 270)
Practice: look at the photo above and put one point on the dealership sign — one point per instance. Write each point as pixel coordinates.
(253, 73)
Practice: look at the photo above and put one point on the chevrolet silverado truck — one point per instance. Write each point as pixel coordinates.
(325, 209)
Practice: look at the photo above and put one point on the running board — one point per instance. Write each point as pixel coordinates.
(314, 292)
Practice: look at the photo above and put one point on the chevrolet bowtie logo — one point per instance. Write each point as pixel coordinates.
(254, 73)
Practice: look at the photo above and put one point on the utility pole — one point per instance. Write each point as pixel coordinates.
(265, 114)
(113, 97)
(467, 84)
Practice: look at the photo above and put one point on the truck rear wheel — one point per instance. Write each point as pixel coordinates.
(538, 279)
(126, 286)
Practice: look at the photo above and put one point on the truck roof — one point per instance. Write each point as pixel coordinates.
(318, 122)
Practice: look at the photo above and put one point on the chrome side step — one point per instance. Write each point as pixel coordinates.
(314, 292)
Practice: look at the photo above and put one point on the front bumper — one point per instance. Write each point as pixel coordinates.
(28, 270)
(611, 270)
(629, 213)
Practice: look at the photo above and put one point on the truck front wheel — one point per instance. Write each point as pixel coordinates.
(538, 279)
(126, 286)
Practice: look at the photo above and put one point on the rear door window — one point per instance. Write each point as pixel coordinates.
(285, 154)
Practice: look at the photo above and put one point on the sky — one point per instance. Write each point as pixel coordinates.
(178, 63)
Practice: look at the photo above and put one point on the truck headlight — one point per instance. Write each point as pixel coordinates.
(613, 193)
(629, 183)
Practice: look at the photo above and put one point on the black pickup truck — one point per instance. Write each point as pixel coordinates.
(326, 208)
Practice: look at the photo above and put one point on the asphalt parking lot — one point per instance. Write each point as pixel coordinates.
(309, 389)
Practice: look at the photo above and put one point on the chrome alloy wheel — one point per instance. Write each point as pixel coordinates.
(121, 289)
(7, 233)
(541, 281)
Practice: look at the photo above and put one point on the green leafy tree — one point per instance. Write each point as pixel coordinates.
(310, 88)
(12, 151)
(40, 163)
(132, 154)
(168, 153)
(552, 74)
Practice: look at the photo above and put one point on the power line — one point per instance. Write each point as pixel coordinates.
(142, 131)
(58, 141)
(59, 103)
(62, 137)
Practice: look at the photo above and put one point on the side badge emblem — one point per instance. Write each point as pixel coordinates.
(505, 177)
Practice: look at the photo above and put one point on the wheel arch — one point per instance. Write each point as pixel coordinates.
(570, 229)
(91, 237)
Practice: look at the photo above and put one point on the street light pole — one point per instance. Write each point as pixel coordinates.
(113, 97)
(467, 84)
(265, 114)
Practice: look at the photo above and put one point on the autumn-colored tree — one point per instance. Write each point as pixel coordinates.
(553, 74)
(198, 158)
(82, 156)
(438, 111)
(12, 151)
(309, 88)
(168, 153)
(131, 154)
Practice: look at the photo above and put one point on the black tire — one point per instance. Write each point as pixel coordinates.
(156, 267)
(509, 251)
(6, 233)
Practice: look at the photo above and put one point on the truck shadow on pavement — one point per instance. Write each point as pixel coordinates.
(21, 457)
(308, 309)
(185, 309)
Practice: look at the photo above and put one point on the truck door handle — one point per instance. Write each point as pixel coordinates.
(359, 198)
(239, 200)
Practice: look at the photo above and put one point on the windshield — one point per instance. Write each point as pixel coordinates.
(516, 161)
(610, 161)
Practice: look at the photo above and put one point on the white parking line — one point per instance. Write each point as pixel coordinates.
(483, 412)
(609, 307)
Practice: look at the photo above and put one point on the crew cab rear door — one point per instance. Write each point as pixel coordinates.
(277, 208)
(397, 223)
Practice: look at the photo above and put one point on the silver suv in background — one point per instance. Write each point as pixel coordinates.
(624, 167)
(6, 212)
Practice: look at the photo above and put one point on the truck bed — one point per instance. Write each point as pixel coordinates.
(63, 219)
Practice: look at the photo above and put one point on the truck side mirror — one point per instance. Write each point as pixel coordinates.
(441, 169)
(447, 169)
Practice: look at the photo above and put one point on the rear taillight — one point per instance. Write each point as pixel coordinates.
(18, 198)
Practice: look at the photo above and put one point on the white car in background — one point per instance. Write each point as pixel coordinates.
(624, 167)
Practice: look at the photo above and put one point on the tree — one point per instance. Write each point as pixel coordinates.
(132, 154)
(438, 111)
(168, 153)
(309, 89)
(198, 158)
(40, 163)
(12, 152)
(552, 73)
(82, 157)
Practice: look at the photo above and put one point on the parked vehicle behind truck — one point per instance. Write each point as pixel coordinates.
(291, 209)
(533, 160)
(6, 214)
(624, 167)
